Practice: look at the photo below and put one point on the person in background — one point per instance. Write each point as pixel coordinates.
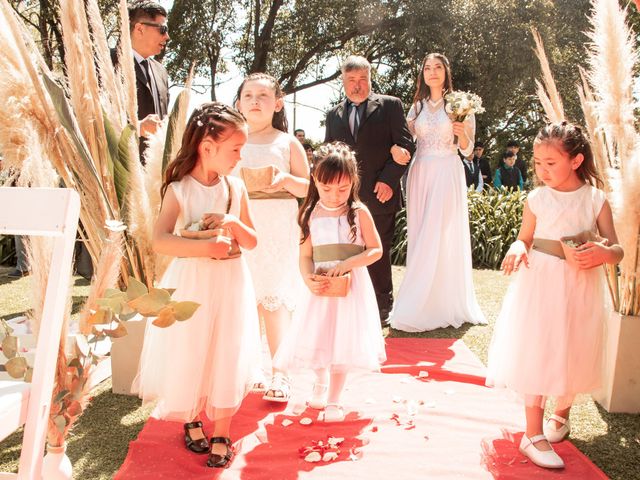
(507, 175)
(520, 163)
(300, 135)
(483, 162)
(308, 150)
(472, 172)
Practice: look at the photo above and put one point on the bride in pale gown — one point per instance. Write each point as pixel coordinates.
(437, 289)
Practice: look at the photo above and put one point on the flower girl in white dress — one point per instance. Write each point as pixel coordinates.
(548, 336)
(334, 335)
(274, 262)
(206, 363)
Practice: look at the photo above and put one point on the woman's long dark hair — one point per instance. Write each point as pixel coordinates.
(279, 120)
(215, 120)
(423, 91)
(332, 161)
(573, 141)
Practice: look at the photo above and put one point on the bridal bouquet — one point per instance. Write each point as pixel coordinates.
(460, 104)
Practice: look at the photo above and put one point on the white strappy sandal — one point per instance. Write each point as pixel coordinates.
(280, 389)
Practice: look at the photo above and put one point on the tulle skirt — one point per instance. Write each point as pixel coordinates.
(437, 289)
(339, 333)
(207, 362)
(548, 338)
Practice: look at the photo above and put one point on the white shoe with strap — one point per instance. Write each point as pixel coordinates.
(553, 433)
(280, 389)
(333, 413)
(542, 458)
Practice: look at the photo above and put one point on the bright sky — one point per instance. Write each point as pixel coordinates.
(310, 104)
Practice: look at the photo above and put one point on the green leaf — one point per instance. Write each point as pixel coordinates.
(68, 121)
(184, 310)
(112, 144)
(173, 119)
(136, 289)
(60, 422)
(114, 303)
(112, 292)
(10, 346)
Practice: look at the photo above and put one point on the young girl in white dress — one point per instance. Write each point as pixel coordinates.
(437, 288)
(548, 336)
(205, 364)
(334, 335)
(274, 262)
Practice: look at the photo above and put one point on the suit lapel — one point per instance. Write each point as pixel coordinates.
(372, 105)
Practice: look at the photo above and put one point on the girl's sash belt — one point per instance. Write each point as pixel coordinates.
(282, 195)
(335, 251)
(550, 247)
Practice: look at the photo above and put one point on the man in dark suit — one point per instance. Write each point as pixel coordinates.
(371, 124)
(149, 36)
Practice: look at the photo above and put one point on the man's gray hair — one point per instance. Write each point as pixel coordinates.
(355, 62)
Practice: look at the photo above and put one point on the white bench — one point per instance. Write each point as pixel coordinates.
(49, 212)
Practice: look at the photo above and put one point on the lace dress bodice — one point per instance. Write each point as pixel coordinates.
(434, 131)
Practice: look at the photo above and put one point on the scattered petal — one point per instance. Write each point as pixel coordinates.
(328, 456)
(423, 374)
(523, 461)
(397, 399)
(313, 457)
(426, 437)
(335, 441)
(374, 429)
(369, 401)
(306, 421)
(286, 422)
(298, 408)
(412, 407)
(355, 454)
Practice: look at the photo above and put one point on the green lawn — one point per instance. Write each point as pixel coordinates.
(99, 442)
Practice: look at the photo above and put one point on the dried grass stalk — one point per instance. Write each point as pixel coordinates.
(112, 95)
(547, 90)
(126, 68)
(612, 58)
(105, 276)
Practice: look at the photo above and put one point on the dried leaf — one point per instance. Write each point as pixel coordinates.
(119, 331)
(150, 304)
(60, 422)
(16, 367)
(184, 310)
(10, 346)
(113, 303)
(136, 289)
(166, 318)
(306, 421)
(99, 317)
(286, 422)
(111, 292)
(74, 409)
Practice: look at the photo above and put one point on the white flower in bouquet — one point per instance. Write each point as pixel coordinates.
(460, 104)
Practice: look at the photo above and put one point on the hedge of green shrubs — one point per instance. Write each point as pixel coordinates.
(494, 221)
(7, 250)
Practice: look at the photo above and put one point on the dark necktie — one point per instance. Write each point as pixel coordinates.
(356, 121)
(145, 68)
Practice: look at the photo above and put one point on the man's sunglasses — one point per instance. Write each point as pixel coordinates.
(161, 28)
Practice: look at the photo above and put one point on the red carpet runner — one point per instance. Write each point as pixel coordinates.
(428, 415)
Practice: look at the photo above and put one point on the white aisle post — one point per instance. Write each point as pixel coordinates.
(49, 212)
